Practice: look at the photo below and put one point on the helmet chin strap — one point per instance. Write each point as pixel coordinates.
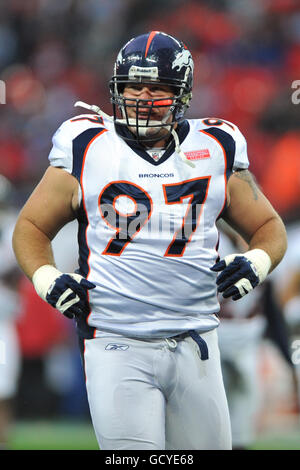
(94, 108)
(132, 123)
(179, 150)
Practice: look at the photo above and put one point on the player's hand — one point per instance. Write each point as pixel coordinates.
(65, 292)
(240, 273)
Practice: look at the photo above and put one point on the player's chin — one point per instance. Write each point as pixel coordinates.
(150, 133)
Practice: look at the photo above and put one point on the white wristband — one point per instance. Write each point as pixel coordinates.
(43, 278)
(261, 261)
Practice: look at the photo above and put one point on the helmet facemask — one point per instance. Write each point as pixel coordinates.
(146, 129)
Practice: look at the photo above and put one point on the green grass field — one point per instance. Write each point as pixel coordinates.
(278, 441)
(46, 435)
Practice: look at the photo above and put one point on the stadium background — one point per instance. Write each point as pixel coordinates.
(53, 53)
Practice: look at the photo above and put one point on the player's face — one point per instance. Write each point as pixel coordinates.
(148, 92)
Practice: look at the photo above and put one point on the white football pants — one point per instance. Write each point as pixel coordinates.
(156, 394)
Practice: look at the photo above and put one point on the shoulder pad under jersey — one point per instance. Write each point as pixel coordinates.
(61, 154)
(223, 131)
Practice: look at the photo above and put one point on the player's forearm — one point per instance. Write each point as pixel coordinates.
(31, 246)
(271, 237)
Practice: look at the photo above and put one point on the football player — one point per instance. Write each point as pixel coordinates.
(147, 186)
(10, 360)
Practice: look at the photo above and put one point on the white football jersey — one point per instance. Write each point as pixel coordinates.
(147, 233)
(8, 296)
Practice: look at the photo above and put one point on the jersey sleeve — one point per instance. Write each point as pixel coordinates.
(61, 154)
(241, 155)
(231, 138)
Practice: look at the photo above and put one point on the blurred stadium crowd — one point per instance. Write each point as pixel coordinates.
(53, 53)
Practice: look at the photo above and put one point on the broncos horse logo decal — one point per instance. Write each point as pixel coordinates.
(183, 59)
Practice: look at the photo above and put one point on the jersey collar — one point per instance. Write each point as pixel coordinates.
(182, 131)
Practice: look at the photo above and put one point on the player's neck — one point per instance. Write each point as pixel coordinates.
(159, 144)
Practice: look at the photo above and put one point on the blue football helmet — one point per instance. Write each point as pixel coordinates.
(152, 58)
